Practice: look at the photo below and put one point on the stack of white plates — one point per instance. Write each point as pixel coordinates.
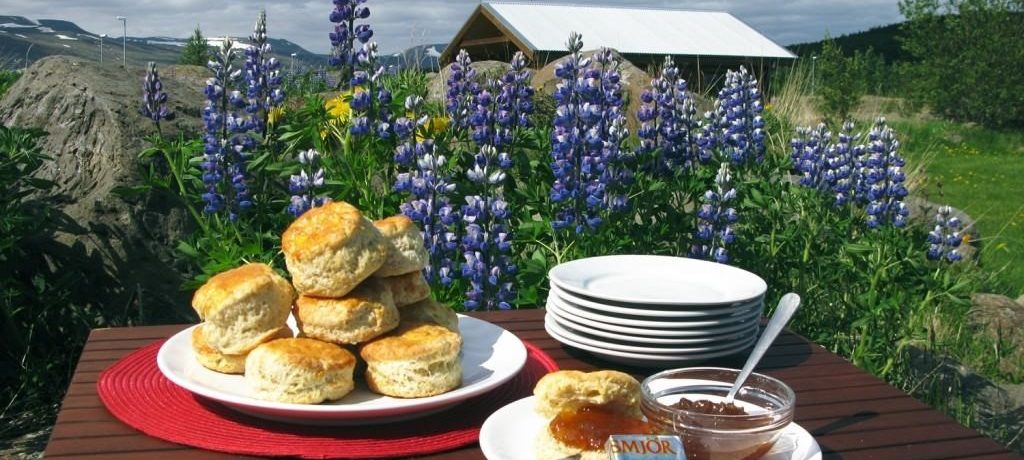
(654, 311)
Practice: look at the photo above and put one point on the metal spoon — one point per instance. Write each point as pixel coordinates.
(783, 312)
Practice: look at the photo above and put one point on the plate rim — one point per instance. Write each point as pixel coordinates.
(573, 324)
(491, 427)
(555, 275)
(340, 411)
(664, 313)
(636, 330)
(569, 335)
(738, 321)
(643, 357)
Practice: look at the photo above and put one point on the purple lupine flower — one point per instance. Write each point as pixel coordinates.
(227, 142)
(459, 94)
(668, 124)
(945, 238)
(154, 99)
(585, 144)
(515, 98)
(823, 164)
(348, 38)
(735, 128)
(715, 219)
(304, 185)
(369, 103)
(840, 166)
(882, 178)
(425, 179)
(263, 75)
(487, 241)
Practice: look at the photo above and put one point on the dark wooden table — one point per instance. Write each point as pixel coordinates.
(852, 414)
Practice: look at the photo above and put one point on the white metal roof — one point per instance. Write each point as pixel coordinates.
(546, 27)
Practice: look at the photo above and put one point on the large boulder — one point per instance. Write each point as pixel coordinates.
(94, 133)
(634, 82)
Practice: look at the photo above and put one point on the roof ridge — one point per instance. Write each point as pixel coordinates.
(600, 5)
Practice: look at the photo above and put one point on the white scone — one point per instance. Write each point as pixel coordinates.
(408, 288)
(243, 307)
(569, 390)
(364, 313)
(416, 360)
(329, 250)
(303, 371)
(406, 253)
(430, 311)
(220, 362)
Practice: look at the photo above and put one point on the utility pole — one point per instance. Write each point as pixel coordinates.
(124, 42)
(813, 60)
(102, 36)
(291, 71)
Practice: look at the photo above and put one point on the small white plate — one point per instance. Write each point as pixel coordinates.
(510, 432)
(657, 280)
(490, 357)
(751, 312)
(652, 349)
(658, 311)
(644, 359)
(642, 331)
(572, 325)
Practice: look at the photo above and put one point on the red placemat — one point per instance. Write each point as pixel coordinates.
(136, 392)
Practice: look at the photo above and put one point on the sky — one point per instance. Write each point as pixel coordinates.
(399, 24)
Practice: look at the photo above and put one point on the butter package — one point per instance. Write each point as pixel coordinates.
(644, 447)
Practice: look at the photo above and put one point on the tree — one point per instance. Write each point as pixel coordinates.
(839, 82)
(967, 57)
(196, 51)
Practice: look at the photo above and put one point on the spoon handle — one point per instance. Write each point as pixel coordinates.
(788, 305)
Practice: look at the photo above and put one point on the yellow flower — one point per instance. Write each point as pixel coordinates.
(275, 114)
(434, 126)
(338, 107)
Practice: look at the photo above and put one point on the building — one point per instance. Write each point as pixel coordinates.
(703, 43)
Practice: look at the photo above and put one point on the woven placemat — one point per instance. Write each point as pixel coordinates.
(137, 393)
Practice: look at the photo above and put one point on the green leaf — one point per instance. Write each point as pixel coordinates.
(133, 191)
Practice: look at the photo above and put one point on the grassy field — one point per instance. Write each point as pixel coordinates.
(980, 171)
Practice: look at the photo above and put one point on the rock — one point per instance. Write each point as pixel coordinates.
(924, 211)
(634, 81)
(999, 316)
(437, 83)
(122, 247)
(1020, 300)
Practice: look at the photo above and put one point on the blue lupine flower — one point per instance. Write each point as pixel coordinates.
(585, 144)
(714, 220)
(945, 238)
(304, 186)
(460, 90)
(735, 128)
(154, 99)
(668, 124)
(426, 182)
(227, 143)
(348, 38)
(370, 100)
(882, 177)
(823, 164)
(263, 75)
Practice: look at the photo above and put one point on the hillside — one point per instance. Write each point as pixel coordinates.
(22, 37)
(883, 40)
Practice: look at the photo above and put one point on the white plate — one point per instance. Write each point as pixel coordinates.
(752, 313)
(642, 331)
(510, 432)
(652, 349)
(643, 359)
(490, 357)
(659, 311)
(657, 280)
(572, 325)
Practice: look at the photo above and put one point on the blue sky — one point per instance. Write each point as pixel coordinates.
(399, 24)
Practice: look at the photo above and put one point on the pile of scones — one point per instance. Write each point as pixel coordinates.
(358, 290)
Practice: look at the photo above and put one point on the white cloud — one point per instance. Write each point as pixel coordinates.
(401, 24)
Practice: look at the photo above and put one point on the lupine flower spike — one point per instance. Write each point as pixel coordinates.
(668, 123)
(226, 140)
(715, 219)
(348, 38)
(461, 87)
(735, 128)
(263, 76)
(945, 238)
(370, 100)
(304, 185)
(882, 178)
(428, 187)
(154, 99)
